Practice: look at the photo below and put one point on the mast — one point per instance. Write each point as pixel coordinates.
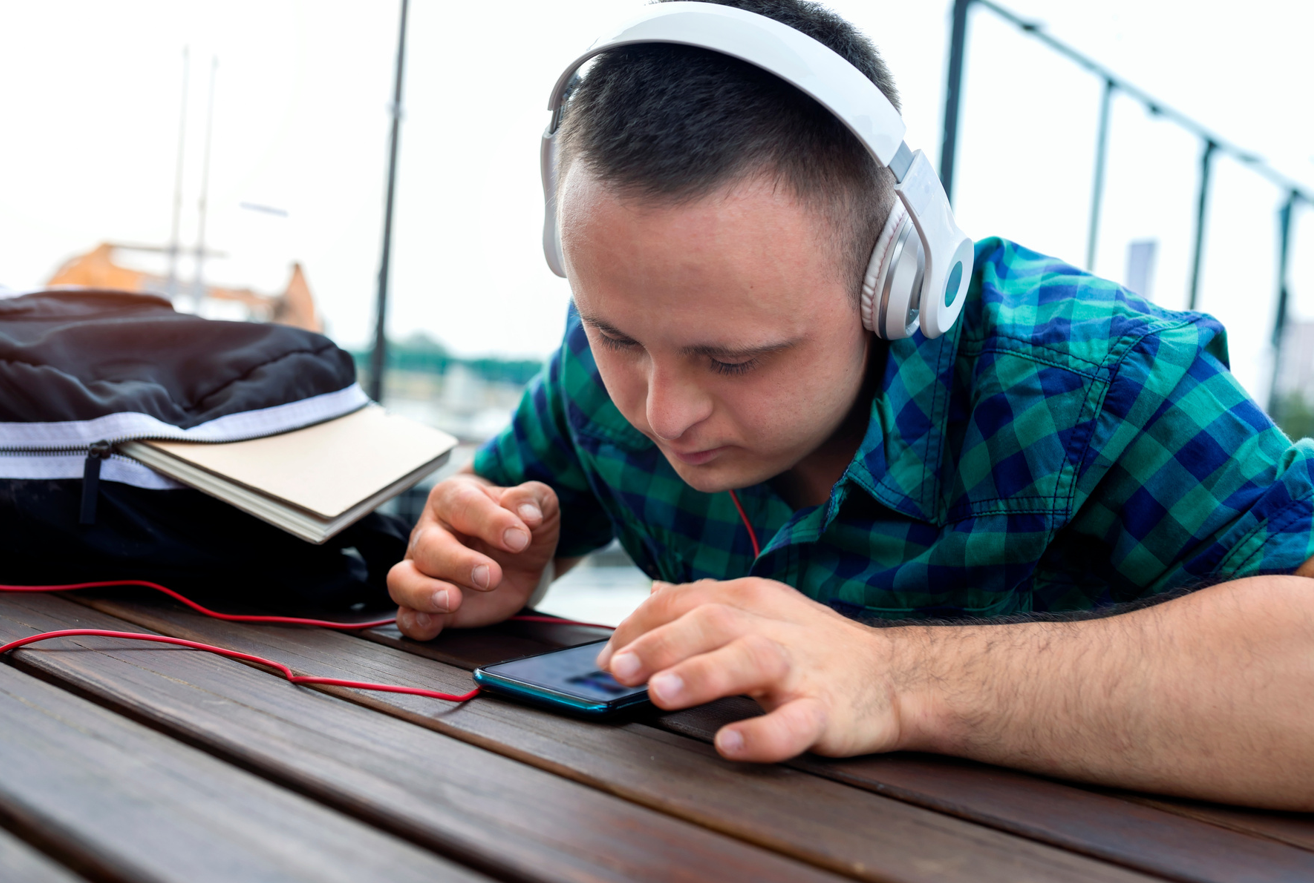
(171, 287)
(198, 286)
(379, 355)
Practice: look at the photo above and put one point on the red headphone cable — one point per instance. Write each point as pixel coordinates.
(247, 657)
(752, 534)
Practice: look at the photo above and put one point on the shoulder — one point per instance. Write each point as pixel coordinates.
(1043, 309)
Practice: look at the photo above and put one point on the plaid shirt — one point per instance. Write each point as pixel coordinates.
(1067, 445)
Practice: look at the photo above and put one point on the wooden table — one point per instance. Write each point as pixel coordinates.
(136, 762)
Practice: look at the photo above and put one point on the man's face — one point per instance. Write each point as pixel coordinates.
(721, 327)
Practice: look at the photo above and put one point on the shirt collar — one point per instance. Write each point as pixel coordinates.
(899, 460)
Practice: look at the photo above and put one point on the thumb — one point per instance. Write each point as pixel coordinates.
(533, 502)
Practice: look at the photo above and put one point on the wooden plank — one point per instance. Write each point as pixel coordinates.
(18, 861)
(1154, 836)
(127, 803)
(820, 822)
(471, 648)
(1296, 829)
(479, 807)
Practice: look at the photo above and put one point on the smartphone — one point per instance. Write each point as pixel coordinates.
(566, 680)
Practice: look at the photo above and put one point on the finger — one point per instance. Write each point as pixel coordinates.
(418, 625)
(410, 587)
(752, 664)
(699, 631)
(786, 732)
(438, 554)
(468, 509)
(533, 501)
(659, 608)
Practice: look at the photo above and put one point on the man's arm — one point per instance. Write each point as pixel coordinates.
(1210, 695)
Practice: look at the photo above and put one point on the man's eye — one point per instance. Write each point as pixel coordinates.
(613, 343)
(733, 368)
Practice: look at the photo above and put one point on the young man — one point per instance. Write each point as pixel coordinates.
(1065, 453)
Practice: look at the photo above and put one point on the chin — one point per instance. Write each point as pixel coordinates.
(718, 476)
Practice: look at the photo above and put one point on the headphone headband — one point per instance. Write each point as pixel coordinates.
(811, 67)
(818, 71)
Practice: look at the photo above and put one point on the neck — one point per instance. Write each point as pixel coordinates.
(810, 480)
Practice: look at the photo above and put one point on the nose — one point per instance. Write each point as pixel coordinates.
(675, 403)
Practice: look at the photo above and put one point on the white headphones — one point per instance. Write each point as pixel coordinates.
(911, 281)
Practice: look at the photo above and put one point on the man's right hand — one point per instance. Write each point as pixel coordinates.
(475, 556)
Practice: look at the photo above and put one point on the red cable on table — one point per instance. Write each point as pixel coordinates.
(237, 617)
(234, 654)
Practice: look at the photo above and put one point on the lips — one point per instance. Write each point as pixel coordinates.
(696, 458)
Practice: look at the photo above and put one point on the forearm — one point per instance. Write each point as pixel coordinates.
(1208, 696)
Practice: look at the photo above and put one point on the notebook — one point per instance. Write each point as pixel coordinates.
(312, 482)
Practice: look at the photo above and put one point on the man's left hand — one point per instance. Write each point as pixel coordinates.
(825, 681)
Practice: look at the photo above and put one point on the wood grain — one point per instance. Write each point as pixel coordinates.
(481, 808)
(1296, 829)
(824, 823)
(1157, 836)
(133, 804)
(20, 862)
(471, 648)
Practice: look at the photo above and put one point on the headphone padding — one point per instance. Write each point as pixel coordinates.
(878, 266)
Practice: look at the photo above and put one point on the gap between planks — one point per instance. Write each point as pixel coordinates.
(474, 806)
(825, 823)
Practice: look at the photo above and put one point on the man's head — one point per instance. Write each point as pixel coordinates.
(675, 123)
(716, 224)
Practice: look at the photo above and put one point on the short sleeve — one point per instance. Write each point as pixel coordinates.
(539, 446)
(1188, 480)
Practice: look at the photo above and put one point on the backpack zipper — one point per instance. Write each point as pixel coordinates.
(97, 453)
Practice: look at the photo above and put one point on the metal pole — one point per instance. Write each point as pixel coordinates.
(171, 287)
(1097, 196)
(379, 356)
(198, 286)
(1280, 320)
(953, 93)
(1206, 161)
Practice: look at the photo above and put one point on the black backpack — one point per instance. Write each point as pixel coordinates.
(82, 370)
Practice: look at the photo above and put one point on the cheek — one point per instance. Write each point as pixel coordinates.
(805, 401)
(626, 383)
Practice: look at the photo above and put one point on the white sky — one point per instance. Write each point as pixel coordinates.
(90, 95)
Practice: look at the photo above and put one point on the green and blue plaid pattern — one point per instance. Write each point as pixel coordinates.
(1067, 446)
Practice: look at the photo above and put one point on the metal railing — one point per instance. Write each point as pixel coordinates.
(1211, 144)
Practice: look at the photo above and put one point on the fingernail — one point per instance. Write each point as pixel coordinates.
(479, 576)
(515, 539)
(666, 686)
(423, 620)
(405, 619)
(603, 655)
(625, 665)
(440, 601)
(729, 742)
(530, 512)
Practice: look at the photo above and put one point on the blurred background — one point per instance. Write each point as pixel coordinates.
(236, 155)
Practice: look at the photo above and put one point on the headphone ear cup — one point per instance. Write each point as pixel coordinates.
(892, 285)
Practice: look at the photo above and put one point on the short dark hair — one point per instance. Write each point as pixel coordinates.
(672, 122)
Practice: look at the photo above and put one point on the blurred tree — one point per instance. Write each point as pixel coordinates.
(1295, 414)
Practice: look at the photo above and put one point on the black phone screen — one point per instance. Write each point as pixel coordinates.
(573, 671)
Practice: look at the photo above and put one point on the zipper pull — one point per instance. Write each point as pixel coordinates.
(97, 453)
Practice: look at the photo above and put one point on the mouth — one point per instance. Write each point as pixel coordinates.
(697, 458)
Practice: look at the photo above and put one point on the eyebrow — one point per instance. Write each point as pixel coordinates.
(714, 351)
